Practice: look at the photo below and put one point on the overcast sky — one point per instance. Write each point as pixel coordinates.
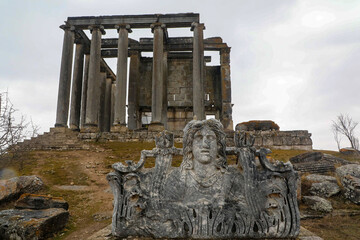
(294, 62)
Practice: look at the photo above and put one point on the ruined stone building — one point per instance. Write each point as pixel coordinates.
(161, 82)
(166, 90)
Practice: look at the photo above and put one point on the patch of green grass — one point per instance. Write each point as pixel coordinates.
(285, 155)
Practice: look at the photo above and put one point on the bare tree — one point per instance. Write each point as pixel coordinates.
(12, 131)
(344, 125)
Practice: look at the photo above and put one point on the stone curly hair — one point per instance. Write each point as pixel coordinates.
(189, 131)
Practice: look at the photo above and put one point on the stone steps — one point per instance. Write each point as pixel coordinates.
(56, 139)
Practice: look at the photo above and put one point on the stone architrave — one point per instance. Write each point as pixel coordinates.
(62, 111)
(205, 198)
(198, 71)
(157, 74)
(93, 93)
(121, 75)
(75, 105)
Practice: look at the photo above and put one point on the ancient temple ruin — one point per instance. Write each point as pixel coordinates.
(170, 88)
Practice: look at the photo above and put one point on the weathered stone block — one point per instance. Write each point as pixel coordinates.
(14, 187)
(24, 224)
(324, 189)
(34, 201)
(318, 204)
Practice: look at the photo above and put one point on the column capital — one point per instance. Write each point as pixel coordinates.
(157, 25)
(126, 26)
(197, 25)
(100, 27)
(67, 27)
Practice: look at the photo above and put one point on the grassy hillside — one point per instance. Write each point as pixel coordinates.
(91, 201)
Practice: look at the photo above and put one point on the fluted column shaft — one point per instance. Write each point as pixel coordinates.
(84, 90)
(75, 104)
(62, 111)
(93, 94)
(121, 75)
(133, 98)
(226, 112)
(107, 105)
(198, 71)
(102, 89)
(157, 73)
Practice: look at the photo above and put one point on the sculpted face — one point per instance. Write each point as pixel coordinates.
(205, 146)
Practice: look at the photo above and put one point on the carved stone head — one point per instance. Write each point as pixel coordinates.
(204, 141)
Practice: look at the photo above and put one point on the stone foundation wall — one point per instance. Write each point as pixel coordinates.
(297, 139)
(65, 139)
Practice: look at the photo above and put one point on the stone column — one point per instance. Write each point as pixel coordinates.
(75, 104)
(84, 90)
(93, 93)
(133, 101)
(226, 108)
(198, 71)
(107, 105)
(121, 79)
(165, 85)
(113, 89)
(157, 78)
(102, 101)
(62, 110)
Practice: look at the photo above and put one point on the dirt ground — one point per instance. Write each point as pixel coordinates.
(80, 178)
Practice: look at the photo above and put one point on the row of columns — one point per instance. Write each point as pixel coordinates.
(92, 89)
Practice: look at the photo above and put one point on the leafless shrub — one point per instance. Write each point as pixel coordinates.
(345, 126)
(12, 130)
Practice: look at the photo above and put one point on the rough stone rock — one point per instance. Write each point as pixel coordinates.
(26, 224)
(351, 169)
(14, 187)
(320, 178)
(257, 125)
(352, 188)
(34, 201)
(318, 204)
(322, 185)
(350, 179)
(307, 157)
(205, 198)
(324, 189)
